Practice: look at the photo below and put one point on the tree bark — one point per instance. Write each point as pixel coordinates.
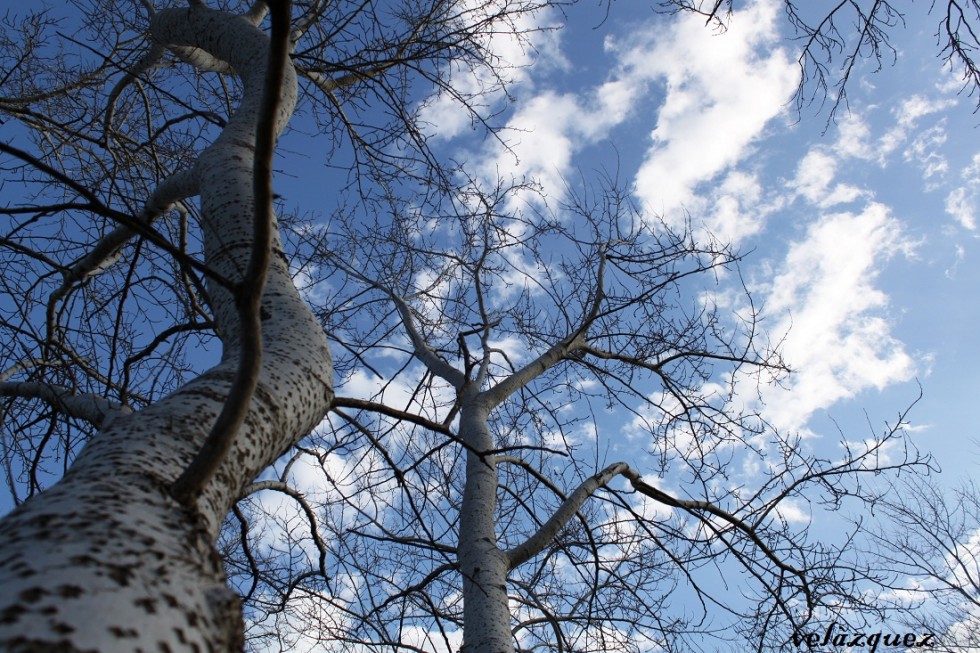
(483, 566)
(107, 559)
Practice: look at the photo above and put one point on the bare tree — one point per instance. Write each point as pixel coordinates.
(928, 548)
(501, 344)
(142, 230)
(142, 237)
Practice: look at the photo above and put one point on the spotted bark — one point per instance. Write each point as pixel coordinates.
(107, 559)
(482, 564)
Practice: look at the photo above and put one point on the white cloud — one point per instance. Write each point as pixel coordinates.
(854, 138)
(971, 174)
(434, 641)
(842, 194)
(400, 391)
(721, 91)
(961, 202)
(550, 128)
(839, 342)
(907, 115)
(540, 141)
(964, 561)
(512, 45)
(925, 149)
(814, 174)
(790, 511)
(508, 351)
(735, 210)
(909, 111)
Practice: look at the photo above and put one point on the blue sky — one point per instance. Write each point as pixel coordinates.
(860, 229)
(860, 233)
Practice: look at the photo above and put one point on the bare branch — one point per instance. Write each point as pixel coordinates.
(549, 530)
(90, 407)
(284, 488)
(249, 291)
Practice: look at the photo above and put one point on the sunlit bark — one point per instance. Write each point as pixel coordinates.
(107, 559)
(114, 558)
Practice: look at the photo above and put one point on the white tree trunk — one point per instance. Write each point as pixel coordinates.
(107, 560)
(483, 566)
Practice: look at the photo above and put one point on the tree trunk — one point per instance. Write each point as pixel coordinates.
(486, 613)
(107, 560)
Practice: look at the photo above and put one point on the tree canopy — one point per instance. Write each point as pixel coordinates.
(228, 424)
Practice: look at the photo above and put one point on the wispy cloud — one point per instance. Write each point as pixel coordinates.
(838, 341)
(721, 92)
(549, 128)
(926, 151)
(513, 46)
(962, 201)
(814, 176)
(907, 115)
(961, 204)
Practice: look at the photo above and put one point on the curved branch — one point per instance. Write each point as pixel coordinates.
(247, 551)
(279, 486)
(91, 407)
(546, 534)
(695, 507)
(175, 188)
(146, 63)
(575, 341)
(135, 224)
(435, 363)
(248, 293)
(363, 404)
